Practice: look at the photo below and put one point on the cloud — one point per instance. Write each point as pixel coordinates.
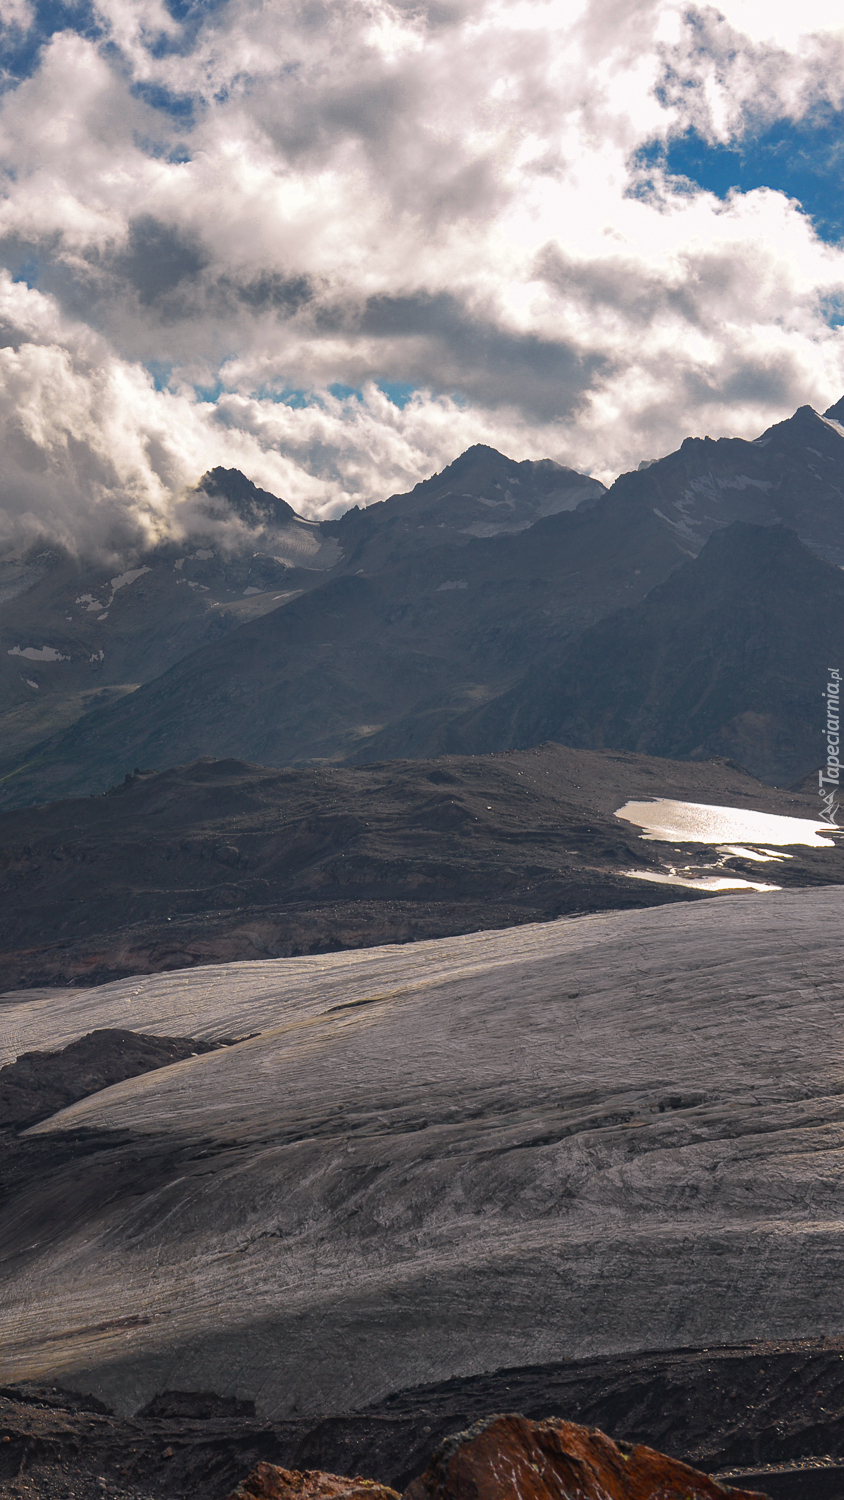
(225, 233)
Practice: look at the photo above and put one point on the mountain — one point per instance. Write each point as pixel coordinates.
(408, 620)
(793, 475)
(729, 657)
(77, 632)
(220, 860)
(319, 680)
(481, 494)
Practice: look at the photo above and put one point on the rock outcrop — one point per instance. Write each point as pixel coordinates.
(502, 1457)
(511, 1458)
(269, 1482)
(38, 1084)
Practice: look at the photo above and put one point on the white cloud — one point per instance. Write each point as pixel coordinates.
(355, 193)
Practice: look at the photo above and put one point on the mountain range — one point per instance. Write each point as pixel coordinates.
(495, 605)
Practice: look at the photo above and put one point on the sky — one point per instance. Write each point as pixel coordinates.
(334, 244)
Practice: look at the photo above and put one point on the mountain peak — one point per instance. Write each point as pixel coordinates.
(257, 507)
(836, 412)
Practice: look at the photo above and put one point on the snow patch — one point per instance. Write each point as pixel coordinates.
(120, 582)
(685, 531)
(458, 583)
(742, 482)
(38, 653)
(123, 579)
(703, 882)
(253, 591)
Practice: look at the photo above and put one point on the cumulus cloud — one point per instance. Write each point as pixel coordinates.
(229, 238)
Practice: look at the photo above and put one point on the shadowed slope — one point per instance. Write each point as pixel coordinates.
(728, 657)
(315, 682)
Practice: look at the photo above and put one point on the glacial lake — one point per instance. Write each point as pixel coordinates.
(698, 823)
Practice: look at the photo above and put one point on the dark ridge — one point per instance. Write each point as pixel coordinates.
(196, 1406)
(40, 1083)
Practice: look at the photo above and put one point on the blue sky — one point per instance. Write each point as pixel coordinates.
(803, 159)
(334, 245)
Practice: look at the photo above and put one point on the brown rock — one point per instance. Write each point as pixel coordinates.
(268, 1482)
(511, 1458)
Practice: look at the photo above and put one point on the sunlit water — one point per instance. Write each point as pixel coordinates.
(697, 823)
(735, 833)
(702, 882)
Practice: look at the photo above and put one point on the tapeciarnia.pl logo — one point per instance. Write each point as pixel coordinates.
(831, 776)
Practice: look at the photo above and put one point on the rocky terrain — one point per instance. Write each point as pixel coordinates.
(555, 1460)
(550, 1143)
(221, 860)
(37, 1084)
(405, 620)
(505, 1455)
(767, 1416)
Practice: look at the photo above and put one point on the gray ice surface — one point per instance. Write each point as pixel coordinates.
(619, 1132)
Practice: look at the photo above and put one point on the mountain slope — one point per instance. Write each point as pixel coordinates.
(793, 475)
(319, 679)
(728, 657)
(78, 632)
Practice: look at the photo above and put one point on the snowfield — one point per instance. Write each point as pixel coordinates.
(595, 1135)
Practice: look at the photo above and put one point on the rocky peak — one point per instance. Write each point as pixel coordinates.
(231, 489)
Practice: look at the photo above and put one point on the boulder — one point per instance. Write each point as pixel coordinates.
(503, 1457)
(269, 1482)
